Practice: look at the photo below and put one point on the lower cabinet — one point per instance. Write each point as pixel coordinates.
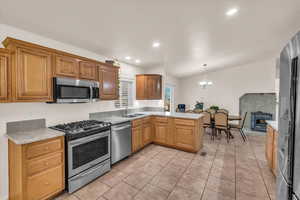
(271, 149)
(36, 170)
(161, 132)
(185, 137)
(147, 133)
(137, 138)
(184, 134)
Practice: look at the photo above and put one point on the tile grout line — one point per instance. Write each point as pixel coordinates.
(212, 164)
(260, 170)
(180, 177)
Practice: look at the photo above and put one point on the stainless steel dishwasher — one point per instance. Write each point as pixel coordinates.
(121, 141)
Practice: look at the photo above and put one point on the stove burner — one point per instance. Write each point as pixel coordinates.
(81, 127)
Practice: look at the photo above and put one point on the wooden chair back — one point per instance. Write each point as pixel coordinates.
(223, 110)
(221, 120)
(207, 118)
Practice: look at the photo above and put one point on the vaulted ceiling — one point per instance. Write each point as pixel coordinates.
(191, 33)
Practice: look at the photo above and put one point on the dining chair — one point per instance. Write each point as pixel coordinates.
(221, 124)
(240, 127)
(223, 110)
(207, 122)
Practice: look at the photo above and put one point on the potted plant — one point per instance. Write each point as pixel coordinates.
(214, 108)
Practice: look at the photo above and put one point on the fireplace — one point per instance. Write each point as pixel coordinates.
(258, 121)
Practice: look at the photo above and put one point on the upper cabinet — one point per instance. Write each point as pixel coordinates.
(66, 66)
(88, 70)
(148, 87)
(32, 77)
(4, 75)
(109, 82)
(27, 71)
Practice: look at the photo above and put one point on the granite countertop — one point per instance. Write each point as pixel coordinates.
(26, 137)
(120, 119)
(273, 124)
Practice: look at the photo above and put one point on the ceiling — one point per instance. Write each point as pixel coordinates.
(191, 32)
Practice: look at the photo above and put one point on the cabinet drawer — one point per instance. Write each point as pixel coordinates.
(45, 184)
(161, 119)
(40, 148)
(137, 122)
(186, 122)
(37, 166)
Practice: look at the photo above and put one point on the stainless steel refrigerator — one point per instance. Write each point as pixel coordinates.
(288, 179)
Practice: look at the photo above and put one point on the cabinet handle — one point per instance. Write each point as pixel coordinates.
(46, 148)
(46, 183)
(46, 163)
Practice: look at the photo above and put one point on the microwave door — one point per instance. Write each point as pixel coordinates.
(73, 94)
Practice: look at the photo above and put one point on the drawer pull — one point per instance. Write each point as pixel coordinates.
(46, 148)
(46, 183)
(46, 163)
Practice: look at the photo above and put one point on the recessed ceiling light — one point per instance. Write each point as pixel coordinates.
(128, 58)
(137, 61)
(204, 65)
(155, 44)
(232, 11)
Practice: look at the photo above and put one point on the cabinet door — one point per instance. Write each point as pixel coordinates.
(185, 137)
(136, 138)
(4, 76)
(269, 146)
(88, 70)
(66, 66)
(109, 82)
(141, 87)
(147, 133)
(33, 72)
(274, 160)
(161, 132)
(154, 87)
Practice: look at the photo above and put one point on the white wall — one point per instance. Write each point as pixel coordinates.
(53, 113)
(229, 85)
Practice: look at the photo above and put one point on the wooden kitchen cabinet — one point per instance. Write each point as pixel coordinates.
(66, 66)
(32, 75)
(4, 75)
(36, 170)
(147, 131)
(161, 132)
(137, 138)
(109, 82)
(88, 70)
(179, 133)
(271, 149)
(148, 87)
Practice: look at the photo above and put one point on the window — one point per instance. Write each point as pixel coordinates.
(126, 94)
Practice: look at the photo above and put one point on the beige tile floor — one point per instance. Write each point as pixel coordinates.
(234, 171)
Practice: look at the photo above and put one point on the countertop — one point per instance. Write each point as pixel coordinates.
(120, 119)
(26, 137)
(273, 124)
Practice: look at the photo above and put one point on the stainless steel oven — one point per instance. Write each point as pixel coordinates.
(67, 90)
(86, 152)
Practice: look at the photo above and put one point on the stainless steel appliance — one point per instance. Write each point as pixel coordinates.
(288, 180)
(67, 90)
(121, 141)
(87, 151)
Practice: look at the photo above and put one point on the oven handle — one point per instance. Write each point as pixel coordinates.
(87, 139)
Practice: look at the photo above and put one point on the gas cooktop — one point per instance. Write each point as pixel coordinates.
(82, 128)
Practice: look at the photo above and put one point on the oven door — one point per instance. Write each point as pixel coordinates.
(86, 152)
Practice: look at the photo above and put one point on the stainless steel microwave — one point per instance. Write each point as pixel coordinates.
(68, 90)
